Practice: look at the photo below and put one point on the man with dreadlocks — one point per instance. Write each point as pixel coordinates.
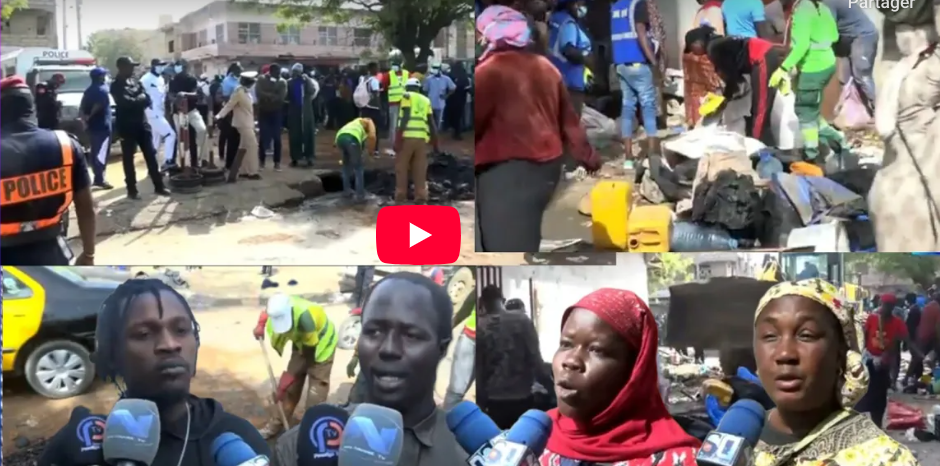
(312, 335)
(406, 330)
(146, 344)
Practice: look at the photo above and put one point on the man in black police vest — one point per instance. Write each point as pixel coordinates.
(41, 173)
(48, 107)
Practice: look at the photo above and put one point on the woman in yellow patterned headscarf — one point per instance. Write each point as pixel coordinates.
(806, 344)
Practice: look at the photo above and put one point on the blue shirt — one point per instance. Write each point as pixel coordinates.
(740, 16)
(228, 86)
(100, 121)
(296, 91)
(436, 87)
(851, 20)
(569, 33)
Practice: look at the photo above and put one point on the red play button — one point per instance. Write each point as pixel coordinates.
(418, 235)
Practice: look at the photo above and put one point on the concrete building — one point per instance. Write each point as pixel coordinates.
(33, 26)
(222, 32)
(548, 291)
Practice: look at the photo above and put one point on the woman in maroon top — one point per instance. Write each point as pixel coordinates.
(523, 123)
(737, 57)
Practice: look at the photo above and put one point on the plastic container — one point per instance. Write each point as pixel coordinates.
(610, 212)
(768, 165)
(649, 228)
(691, 237)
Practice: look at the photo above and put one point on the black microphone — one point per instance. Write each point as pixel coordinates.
(132, 433)
(373, 437)
(80, 440)
(732, 443)
(321, 431)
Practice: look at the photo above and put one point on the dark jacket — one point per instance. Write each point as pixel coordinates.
(209, 420)
(272, 93)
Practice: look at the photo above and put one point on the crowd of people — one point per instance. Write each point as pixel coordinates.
(167, 106)
(741, 55)
(820, 372)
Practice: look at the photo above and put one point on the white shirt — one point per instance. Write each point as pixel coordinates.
(155, 87)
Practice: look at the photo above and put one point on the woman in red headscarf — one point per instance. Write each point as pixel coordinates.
(609, 407)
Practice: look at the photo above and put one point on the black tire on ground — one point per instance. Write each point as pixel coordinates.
(186, 183)
(33, 360)
(349, 332)
(212, 176)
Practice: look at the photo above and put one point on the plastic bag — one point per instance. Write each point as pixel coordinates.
(361, 95)
(850, 110)
(901, 416)
(601, 131)
(784, 124)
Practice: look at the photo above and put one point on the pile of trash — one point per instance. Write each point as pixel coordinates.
(728, 191)
(450, 178)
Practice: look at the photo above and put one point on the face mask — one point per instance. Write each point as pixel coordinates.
(435, 71)
(582, 11)
(159, 69)
(178, 69)
(396, 68)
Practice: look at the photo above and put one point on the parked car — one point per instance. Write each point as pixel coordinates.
(49, 319)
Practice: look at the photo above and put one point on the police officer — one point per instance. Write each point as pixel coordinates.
(41, 173)
(131, 102)
(48, 107)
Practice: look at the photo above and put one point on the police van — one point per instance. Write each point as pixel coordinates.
(39, 65)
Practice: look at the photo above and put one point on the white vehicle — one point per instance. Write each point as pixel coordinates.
(77, 74)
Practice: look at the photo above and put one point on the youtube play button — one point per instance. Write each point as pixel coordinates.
(418, 235)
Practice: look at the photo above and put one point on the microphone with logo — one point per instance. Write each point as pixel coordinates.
(229, 449)
(732, 443)
(81, 439)
(476, 432)
(132, 433)
(321, 431)
(373, 437)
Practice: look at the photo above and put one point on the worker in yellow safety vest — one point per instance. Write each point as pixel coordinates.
(397, 77)
(416, 129)
(305, 325)
(355, 139)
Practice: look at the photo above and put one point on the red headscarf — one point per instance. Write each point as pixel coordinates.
(636, 424)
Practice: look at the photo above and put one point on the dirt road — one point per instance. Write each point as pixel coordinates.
(231, 368)
(311, 223)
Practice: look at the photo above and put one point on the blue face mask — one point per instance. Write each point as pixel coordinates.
(582, 11)
(396, 68)
(178, 69)
(159, 69)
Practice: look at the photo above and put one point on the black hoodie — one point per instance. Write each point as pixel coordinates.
(209, 420)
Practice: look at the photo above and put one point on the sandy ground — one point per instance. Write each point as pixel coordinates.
(231, 367)
(308, 227)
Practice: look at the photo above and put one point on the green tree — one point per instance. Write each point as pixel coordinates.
(922, 270)
(107, 46)
(667, 269)
(404, 24)
(10, 6)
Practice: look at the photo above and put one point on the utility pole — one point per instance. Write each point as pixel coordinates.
(78, 21)
(65, 25)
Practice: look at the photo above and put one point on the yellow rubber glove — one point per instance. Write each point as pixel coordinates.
(781, 80)
(710, 104)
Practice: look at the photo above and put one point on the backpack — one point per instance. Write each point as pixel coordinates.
(362, 96)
